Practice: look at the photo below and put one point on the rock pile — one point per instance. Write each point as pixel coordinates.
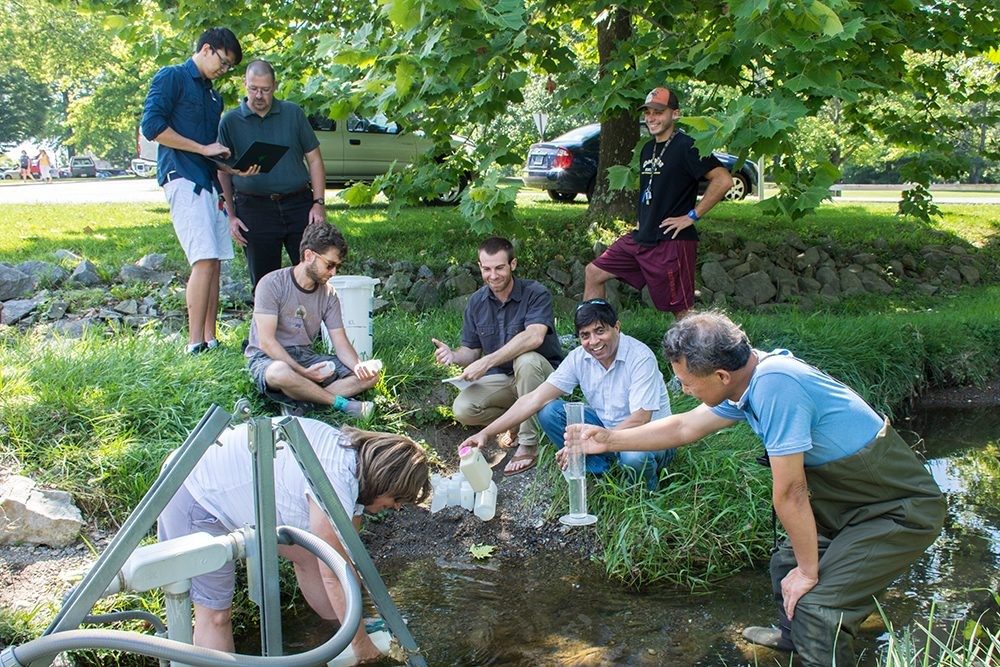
(730, 273)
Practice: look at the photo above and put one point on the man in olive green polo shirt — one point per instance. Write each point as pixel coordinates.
(270, 211)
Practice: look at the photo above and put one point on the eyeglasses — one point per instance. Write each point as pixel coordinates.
(330, 264)
(592, 302)
(254, 90)
(226, 64)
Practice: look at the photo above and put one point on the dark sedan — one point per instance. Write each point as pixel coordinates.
(567, 166)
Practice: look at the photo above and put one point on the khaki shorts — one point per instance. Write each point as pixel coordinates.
(200, 226)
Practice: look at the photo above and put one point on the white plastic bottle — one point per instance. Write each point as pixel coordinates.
(475, 468)
(486, 502)
(454, 491)
(468, 496)
(382, 640)
(439, 493)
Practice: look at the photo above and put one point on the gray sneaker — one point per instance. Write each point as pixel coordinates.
(771, 637)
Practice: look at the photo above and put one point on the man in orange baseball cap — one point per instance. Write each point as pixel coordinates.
(661, 253)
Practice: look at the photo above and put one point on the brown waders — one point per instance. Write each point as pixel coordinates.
(876, 511)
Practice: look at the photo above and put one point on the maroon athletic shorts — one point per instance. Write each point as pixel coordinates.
(667, 268)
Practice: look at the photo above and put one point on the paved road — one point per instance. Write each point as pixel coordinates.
(83, 191)
(130, 189)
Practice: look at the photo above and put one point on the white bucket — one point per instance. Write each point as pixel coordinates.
(357, 301)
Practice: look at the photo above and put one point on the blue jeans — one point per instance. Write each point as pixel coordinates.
(552, 419)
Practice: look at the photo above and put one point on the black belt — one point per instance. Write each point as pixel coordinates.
(278, 196)
(173, 176)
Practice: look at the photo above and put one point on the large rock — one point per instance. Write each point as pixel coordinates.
(85, 274)
(556, 272)
(808, 258)
(44, 274)
(715, 278)
(970, 273)
(827, 275)
(755, 288)
(29, 515)
(398, 284)
(153, 262)
(75, 328)
(460, 284)
(850, 282)
(17, 309)
(874, 282)
(424, 294)
(14, 283)
(133, 273)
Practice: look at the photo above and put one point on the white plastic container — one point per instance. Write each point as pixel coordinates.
(357, 301)
(468, 496)
(439, 493)
(382, 640)
(486, 502)
(454, 491)
(475, 468)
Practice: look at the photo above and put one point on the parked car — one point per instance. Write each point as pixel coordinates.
(10, 174)
(567, 166)
(82, 165)
(360, 149)
(144, 165)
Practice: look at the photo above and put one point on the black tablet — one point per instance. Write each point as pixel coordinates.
(260, 153)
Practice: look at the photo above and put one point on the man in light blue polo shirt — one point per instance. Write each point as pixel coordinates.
(620, 380)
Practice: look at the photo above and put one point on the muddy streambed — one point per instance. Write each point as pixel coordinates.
(554, 609)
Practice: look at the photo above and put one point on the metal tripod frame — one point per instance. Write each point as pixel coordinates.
(262, 551)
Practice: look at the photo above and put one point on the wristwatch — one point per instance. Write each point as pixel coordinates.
(320, 201)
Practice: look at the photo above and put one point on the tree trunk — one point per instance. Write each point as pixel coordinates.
(619, 129)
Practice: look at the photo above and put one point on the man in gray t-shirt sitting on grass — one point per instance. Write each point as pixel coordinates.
(289, 306)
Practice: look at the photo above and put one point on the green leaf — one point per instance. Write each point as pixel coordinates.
(827, 18)
(405, 14)
(482, 551)
(358, 194)
(622, 178)
(115, 21)
(701, 123)
(406, 71)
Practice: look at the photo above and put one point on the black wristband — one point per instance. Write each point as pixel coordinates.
(320, 201)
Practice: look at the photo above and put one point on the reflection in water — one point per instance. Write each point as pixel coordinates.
(548, 610)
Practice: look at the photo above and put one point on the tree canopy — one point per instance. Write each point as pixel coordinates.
(748, 73)
(25, 103)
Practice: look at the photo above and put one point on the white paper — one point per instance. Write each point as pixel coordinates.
(458, 382)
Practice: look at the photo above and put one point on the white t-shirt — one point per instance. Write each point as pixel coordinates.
(222, 482)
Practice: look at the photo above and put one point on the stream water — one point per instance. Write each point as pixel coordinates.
(552, 611)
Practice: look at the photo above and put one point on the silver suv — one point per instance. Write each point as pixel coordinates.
(358, 149)
(81, 165)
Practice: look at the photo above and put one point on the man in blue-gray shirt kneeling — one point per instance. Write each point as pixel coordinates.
(620, 381)
(509, 346)
(181, 114)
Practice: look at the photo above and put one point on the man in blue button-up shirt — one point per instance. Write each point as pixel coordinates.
(181, 114)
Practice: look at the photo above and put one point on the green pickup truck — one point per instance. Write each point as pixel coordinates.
(358, 149)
